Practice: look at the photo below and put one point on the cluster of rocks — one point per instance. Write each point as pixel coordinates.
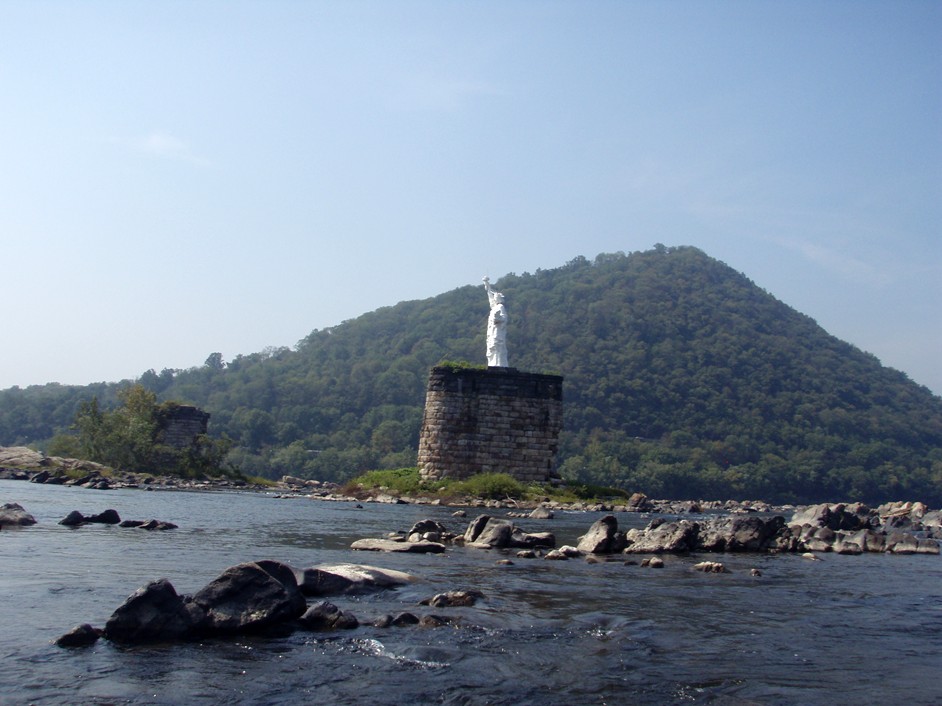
(13, 514)
(637, 502)
(111, 517)
(257, 597)
(94, 480)
(308, 485)
(845, 529)
(489, 532)
(484, 532)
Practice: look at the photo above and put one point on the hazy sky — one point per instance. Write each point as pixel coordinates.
(180, 178)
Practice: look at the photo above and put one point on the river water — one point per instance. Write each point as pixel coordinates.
(854, 629)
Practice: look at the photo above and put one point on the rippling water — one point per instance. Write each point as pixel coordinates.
(854, 629)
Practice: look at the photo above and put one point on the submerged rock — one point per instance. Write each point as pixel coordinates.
(327, 616)
(150, 525)
(711, 567)
(392, 545)
(80, 636)
(73, 519)
(451, 599)
(399, 620)
(433, 621)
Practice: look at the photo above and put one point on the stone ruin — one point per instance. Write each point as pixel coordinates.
(179, 425)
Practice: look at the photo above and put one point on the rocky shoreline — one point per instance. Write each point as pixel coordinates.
(25, 464)
(22, 463)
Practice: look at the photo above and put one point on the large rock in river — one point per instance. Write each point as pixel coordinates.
(14, 515)
(250, 596)
(495, 533)
(153, 613)
(833, 516)
(489, 532)
(738, 533)
(602, 537)
(660, 537)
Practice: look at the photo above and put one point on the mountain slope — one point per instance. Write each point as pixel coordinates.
(683, 379)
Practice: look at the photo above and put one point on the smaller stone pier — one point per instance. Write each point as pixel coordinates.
(498, 420)
(179, 425)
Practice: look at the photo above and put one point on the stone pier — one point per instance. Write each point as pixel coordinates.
(494, 420)
(179, 425)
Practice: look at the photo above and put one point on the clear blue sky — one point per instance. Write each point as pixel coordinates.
(179, 178)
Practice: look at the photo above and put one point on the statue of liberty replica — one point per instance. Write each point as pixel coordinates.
(493, 420)
(496, 328)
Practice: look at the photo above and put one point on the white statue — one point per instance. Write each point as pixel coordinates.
(496, 328)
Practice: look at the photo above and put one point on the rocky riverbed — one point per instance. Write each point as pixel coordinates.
(466, 613)
(269, 595)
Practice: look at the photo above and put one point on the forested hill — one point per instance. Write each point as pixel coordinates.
(682, 379)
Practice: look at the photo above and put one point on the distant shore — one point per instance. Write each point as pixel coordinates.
(22, 463)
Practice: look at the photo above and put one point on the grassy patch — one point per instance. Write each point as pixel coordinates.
(491, 486)
(261, 480)
(401, 481)
(486, 486)
(458, 365)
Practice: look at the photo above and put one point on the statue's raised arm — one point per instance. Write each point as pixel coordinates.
(490, 291)
(496, 328)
